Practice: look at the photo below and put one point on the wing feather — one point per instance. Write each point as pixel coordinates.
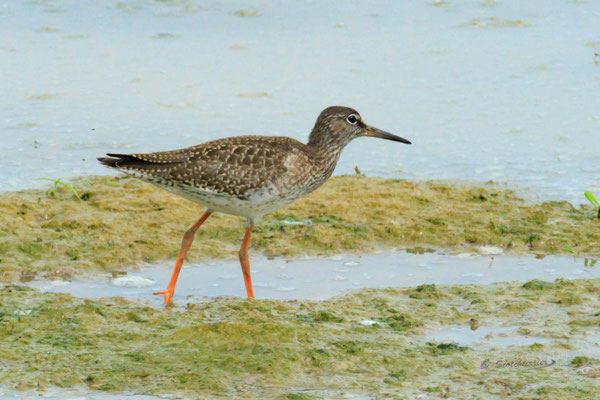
(233, 166)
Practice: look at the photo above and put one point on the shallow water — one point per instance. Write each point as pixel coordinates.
(585, 343)
(512, 99)
(318, 279)
(74, 394)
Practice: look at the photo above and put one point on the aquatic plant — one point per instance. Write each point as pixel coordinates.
(229, 347)
(52, 191)
(590, 262)
(593, 200)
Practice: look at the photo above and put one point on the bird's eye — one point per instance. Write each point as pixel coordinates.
(352, 119)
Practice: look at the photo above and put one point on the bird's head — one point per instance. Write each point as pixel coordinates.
(336, 126)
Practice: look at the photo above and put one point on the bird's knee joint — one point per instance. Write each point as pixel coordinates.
(189, 234)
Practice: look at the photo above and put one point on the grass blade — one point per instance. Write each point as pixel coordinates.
(592, 199)
(59, 182)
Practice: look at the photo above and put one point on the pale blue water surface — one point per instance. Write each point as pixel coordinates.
(511, 104)
(322, 278)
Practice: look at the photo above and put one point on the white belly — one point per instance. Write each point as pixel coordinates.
(257, 205)
(259, 202)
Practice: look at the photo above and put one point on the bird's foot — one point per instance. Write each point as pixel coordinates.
(168, 293)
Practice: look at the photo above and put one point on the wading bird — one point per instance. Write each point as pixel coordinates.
(248, 176)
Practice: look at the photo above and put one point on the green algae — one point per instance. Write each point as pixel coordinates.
(47, 29)
(441, 3)
(268, 349)
(43, 97)
(246, 13)
(177, 106)
(23, 125)
(488, 3)
(493, 22)
(255, 95)
(124, 222)
(165, 35)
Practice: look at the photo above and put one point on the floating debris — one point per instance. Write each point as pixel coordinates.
(257, 95)
(493, 22)
(23, 125)
(165, 36)
(488, 3)
(47, 29)
(179, 106)
(43, 97)
(246, 13)
(441, 3)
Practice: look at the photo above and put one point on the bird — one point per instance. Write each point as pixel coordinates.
(247, 176)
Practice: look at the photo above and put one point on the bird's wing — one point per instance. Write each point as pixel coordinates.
(231, 166)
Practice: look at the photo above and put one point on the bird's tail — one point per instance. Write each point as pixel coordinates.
(146, 164)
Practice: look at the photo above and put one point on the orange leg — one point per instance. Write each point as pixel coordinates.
(246, 262)
(188, 238)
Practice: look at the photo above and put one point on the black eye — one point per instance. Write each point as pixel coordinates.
(352, 119)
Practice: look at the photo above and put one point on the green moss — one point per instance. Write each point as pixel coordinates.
(425, 292)
(265, 349)
(582, 361)
(298, 396)
(124, 222)
(537, 284)
(446, 348)
(324, 316)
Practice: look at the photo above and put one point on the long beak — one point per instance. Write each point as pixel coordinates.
(378, 133)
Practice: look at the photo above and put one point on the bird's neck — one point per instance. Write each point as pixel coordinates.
(326, 148)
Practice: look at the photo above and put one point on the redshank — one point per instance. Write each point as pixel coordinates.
(248, 176)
